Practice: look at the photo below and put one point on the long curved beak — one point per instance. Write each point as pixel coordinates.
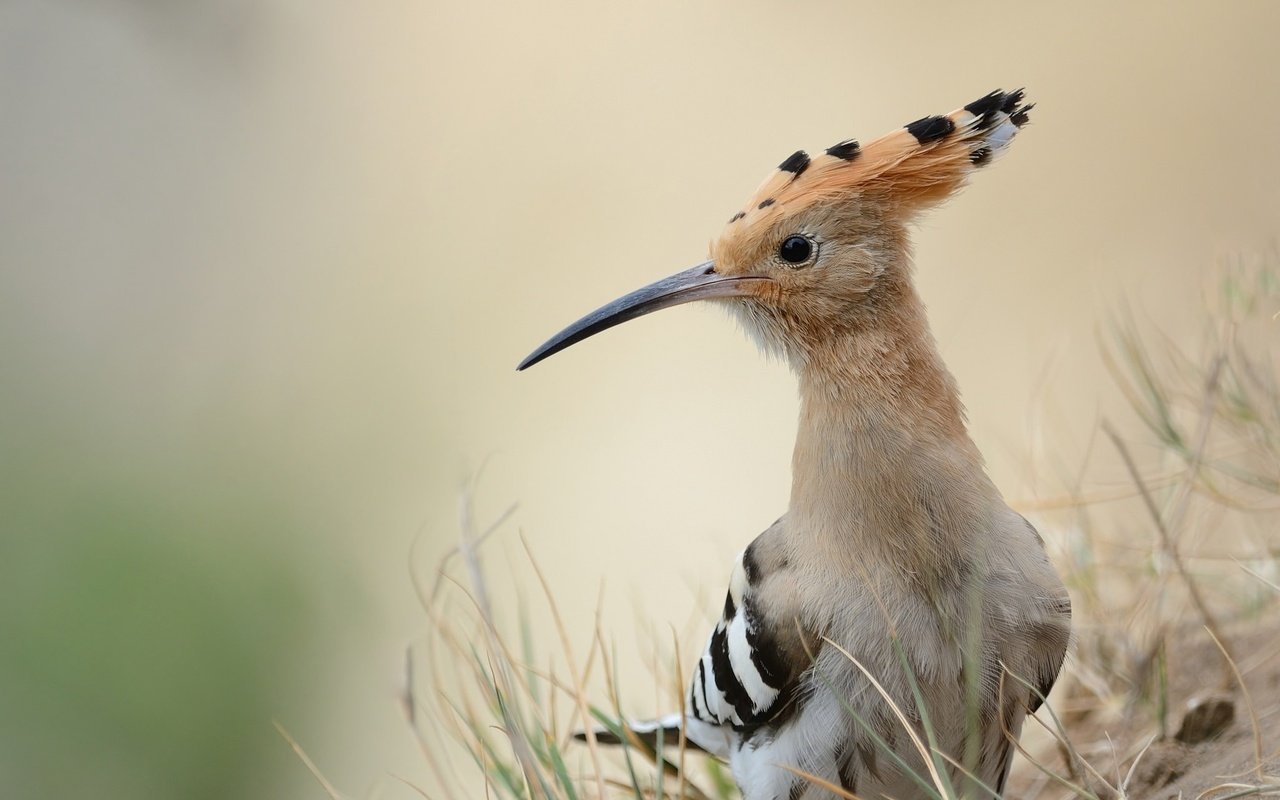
(696, 283)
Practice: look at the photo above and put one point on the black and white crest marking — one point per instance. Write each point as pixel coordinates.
(986, 107)
(1011, 101)
(847, 150)
(931, 129)
(795, 163)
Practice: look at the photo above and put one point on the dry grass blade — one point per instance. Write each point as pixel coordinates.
(1053, 777)
(412, 785)
(838, 791)
(1058, 732)
(1166, 537)
(1248, 702)
(306, 760)
(500, 668)
(1239, 790)
(924, 751)
(1269, 583)
(428, 598)
(675, 642)
(1133, 767)
(409, 705)
(579, 693)
(968, 773)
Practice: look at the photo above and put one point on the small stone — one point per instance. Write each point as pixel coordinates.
(1207, 716)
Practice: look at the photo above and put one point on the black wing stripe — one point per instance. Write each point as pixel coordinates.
(735, 694)
(702, 682)
(764, 651)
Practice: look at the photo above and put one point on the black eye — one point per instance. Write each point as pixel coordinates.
(795, 250)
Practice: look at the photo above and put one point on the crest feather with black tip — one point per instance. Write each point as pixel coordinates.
(912, 168)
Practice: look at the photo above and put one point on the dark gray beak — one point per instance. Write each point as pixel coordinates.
(697, 283)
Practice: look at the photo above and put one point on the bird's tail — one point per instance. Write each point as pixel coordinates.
(644, 732)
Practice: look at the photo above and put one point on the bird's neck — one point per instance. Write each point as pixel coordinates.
(882, 457)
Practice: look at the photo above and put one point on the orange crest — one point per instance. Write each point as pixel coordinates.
(907, 170)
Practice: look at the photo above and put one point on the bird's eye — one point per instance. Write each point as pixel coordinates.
(795, 249)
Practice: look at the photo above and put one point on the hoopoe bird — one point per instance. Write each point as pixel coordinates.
(892, 629)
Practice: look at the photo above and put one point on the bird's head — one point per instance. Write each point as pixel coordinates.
(821, 246)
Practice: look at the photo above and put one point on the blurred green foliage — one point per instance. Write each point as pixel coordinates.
(149, 635)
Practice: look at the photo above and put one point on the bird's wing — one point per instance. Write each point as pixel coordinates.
(748, 677)
(1051, 633)
(1054, 653)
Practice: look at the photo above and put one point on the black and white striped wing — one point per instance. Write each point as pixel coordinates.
(746, 678)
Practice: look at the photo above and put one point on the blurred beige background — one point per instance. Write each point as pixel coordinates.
(266, 269)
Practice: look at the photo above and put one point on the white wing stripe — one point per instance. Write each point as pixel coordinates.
(761, 694)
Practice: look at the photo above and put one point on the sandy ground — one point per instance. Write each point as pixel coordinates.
(1171, 767)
